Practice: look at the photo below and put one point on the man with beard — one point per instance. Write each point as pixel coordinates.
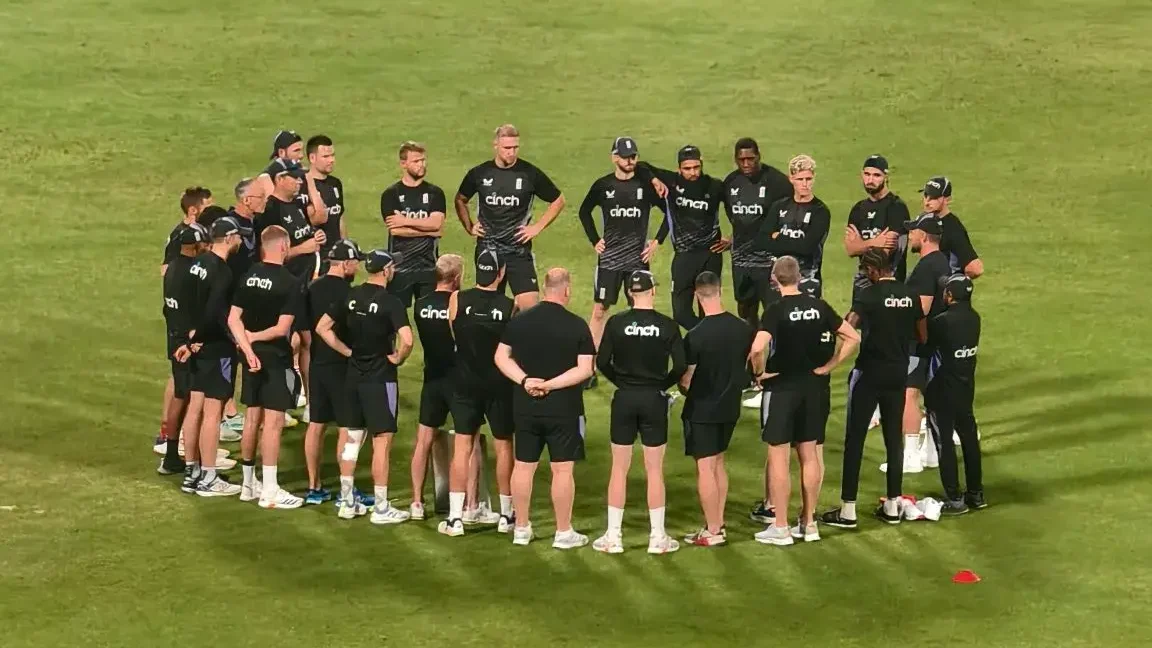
(877, 222)
(413, 210)
(288, 148)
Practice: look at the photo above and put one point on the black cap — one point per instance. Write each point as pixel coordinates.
(687, 152)
(488, 265)
(378, 260)
(283, 140)
(226, 225)
(959, 286)
(281, 167)
(345, 250)
(877, 162)
(937, 187)
(926, 223)
(625, 147)
(193, 234)
(641, 281)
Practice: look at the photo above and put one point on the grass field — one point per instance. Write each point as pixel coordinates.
(1038, 111)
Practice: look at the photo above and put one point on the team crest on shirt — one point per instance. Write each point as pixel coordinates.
(401, 198)
(610, 194)
(639, 193)
(519, 183)
(762, 190)
(807, 217)
(487, 182)
(425, 198)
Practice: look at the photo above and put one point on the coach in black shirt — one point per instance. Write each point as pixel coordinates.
(794, 353)
(179, 293)
(955, 242)
(717, 353)
(643, 354)
(548, 352)
(889, 314)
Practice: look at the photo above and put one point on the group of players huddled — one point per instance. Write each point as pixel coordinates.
(262, 293)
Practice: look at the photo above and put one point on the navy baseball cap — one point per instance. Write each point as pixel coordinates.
(625, 147)
(283, 140)
(641, 281)
(937, 187)
(959, 286)
(379, 260)
(925, 223)
(488, 265)
(878, 162)
(345, 250)
(281, 167)
(193, 234)
(686, 153)
(226, 225)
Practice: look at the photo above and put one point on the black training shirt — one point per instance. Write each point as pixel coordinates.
(322, 295)
(417, 253)
(240, 261)
(955, 339)
(691, 208)
(179, 297)
(870, 217)
(747, 201)
(505, 201)
(367, 321)
(291, 217)
(642, 348)
(482, 316)
(624, 209)
(266, 293)
(546, 341)
(803, 331)
(431, 315)
(331, 191)
(718, 346)
(955, 243)
(889, 311)
(799, 230)
(927, 280)
(214, 283)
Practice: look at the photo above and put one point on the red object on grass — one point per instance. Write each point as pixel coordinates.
(966, 576)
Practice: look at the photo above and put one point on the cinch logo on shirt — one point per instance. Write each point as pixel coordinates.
(171, 303)
(624, 212)
(870, 233)
(965, 352)
(431, 313)
(302, 232)
(199, 271)
(635, 330)
(502, 201)
(747, 210)
(681, 201)
(791, 232)
(494, 313)
(372, 308)
(415, 214)
(898, 302)
(335, 210)
(486, 268)
(798, 315)
(259, 282)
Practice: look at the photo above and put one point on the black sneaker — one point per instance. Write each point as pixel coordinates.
(954, 507)
(169, 468)
(883, 515)
(975, 500)
(834, 518)
(592, 382)
(762, 514)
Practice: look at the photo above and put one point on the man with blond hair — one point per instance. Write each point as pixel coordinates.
(413, 211)
(506, 186)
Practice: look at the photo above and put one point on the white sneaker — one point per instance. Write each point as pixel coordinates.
(482, 514)
(810, 533)
(608, 543)
(385, 513)
(305, 416)
(227, 434)
(569, 539)
(160, 448)
(301, 400)
(774, 535)
(451, 528)
(217, 488)
(928, 456)
(875, 422)
(350, 509)
(506, 524)
(662, 545)
(416, 511)
(290, 421)
(281, 499)
(522, 535)
(225, 463)
(912, 464)
(249, 492)
(923, 425)
(753, 402)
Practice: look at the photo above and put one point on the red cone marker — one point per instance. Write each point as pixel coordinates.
(965, 576)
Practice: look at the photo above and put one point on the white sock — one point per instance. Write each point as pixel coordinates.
(346, 488)
(269, 478)
(195, 468)
(615, 520)
(209, 475)
(892, 506)
(506, 506)
(848, 510)
(656, 515)
(352, 447)
(381, 493)
(456, 505)
(249, 474)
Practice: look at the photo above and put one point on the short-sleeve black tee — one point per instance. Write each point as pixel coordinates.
(803, 330)
(718, 346)
(546, 341)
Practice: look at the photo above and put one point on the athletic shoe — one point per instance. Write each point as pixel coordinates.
(364, 498)
(762, 514)
(158, 441)
(234, 423)
(249, 492)
(882, 515)
(281, 499)
(875, 422)
(705, 538)
(451, 528)
(928, 456)
(522, 535)
(482, 514)
(662, 545)
(290, 421)
(912, 463)
(350, 510)
(774, 535)
(301, 400)
(954, 507)
(227, 434)
(317, 496)
(416, 511)
(753, 402)
(189, 484)
(609, 543)
(305, 416)
(224, 463)
(570, 539)
(810, 533)
(160, 447)
(923, 425)
(975, 500)
(172, 468)
(218, 487)
(836, 519)
(385, 513)
(506, 523)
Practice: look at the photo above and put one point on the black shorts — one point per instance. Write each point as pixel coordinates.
(640, 411)
(274, 387)
(410, 286)
(607, 284)
(703, 440)
(519, 272)
(563, 436)
(812, 287)
(327, 397)
(795, 415)
(181, 371)
(688, 265)
(472, 407)
(753, 285)
(917, 373)
(436, 401)
(371, 406)
(214, 371)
